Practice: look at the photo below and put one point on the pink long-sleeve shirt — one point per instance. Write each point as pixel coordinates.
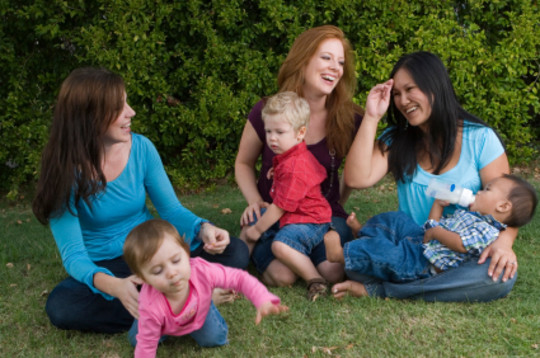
(157, 319)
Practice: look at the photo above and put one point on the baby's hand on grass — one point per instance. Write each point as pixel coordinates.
(269, 308)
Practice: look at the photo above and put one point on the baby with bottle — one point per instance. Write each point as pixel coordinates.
(392, 247)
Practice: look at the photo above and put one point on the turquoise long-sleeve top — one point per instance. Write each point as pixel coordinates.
(98, 233)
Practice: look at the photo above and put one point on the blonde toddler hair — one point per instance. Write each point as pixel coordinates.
(290, 107)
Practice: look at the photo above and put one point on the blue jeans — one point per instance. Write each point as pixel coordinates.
(262, 254)
(302, 237)
(469, 282)
(213, 333)
(72, 305)
(236, 254)
(389, 248)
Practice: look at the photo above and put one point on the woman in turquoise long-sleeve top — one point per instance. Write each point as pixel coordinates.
(95, 175)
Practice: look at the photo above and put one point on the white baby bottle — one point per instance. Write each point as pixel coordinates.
(453, 193)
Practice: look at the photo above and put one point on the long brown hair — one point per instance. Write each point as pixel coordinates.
(90, 99)
(339, 104)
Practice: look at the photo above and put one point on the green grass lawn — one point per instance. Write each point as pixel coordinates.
(30, 267)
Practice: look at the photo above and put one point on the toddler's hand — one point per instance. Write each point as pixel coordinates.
(442, 203)
(428, 235)
(269, 308)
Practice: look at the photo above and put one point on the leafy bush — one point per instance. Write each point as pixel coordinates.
(194, 68)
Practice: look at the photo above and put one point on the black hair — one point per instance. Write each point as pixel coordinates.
(405, 142)
(524, 200)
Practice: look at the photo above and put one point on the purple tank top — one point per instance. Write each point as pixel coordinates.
(329, 160)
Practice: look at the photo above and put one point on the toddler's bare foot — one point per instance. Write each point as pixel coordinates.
(354, 224)
(332, 243)
(353, 288)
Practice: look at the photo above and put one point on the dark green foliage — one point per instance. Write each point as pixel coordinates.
(194, 68)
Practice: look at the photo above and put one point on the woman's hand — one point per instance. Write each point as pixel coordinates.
(252, 212)
(215, 239)
(126, 291)
(378, 99)
(502, 258)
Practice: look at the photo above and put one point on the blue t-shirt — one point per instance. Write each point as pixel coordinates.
(99, 233)
(480, 146)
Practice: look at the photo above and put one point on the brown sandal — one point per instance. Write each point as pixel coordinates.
(316, 287)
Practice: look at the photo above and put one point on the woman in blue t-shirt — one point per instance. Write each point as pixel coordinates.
(95, 176)
(430, 136)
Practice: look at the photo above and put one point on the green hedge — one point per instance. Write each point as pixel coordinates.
(194, 68)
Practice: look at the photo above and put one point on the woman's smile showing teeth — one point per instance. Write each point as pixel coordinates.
(412, 109)
(324, 69)
(329, 78)
(409, 99)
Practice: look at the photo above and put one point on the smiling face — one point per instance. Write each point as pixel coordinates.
(280, 134)
(410, 100)
(120, 129)
(494, 195)
(169, 270)
(324, 69)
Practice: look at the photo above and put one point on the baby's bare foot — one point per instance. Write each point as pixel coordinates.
(353, 288)
(354, 224)
(332, 243)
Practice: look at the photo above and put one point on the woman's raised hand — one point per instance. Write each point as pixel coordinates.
(378, 100)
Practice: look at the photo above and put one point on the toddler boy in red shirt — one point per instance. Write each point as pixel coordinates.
(304, 214)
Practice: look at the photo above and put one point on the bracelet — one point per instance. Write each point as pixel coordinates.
(199, 235)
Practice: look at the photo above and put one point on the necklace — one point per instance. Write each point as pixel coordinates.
(332, 154)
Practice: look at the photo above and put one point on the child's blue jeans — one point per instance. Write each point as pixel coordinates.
(213, 333)
(389, 248)
(469, 282)
(262, 254)
(302, 237)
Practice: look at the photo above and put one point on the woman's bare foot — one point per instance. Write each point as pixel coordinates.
(332, 244)
(353, 288)
(220, 296)
(354, 224)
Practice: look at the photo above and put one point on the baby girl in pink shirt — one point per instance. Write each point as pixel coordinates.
(176, 295)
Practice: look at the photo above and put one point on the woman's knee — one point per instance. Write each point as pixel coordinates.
(331, 272)
(60, 314)
(235, 255)
(279, 275)
(242, 254)
(493, 290)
